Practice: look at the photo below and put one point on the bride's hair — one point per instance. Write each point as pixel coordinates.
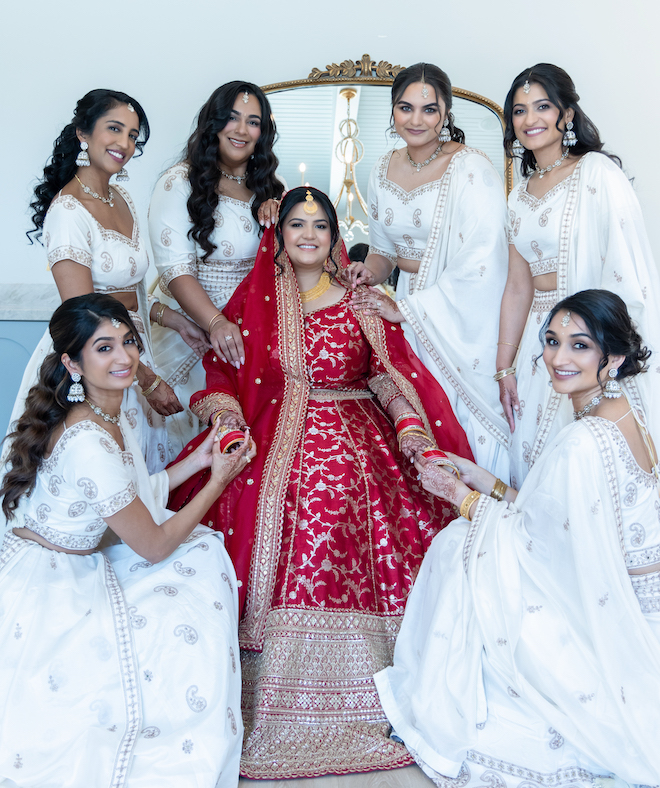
(293, 198)
(610, 326)
(46, 405)
(62, 165)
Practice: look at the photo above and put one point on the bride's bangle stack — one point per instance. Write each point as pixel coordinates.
(230, 439)
(409, 424)
(436, 456)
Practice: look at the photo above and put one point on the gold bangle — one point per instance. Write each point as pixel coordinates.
(148, 392)
(159, 314)
(504, 372)
(469, 499)
(499, 490)
(213, 319)
(517, 347)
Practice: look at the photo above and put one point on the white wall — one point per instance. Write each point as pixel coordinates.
(171, 55)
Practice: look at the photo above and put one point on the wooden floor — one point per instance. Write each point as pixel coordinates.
(410, 777)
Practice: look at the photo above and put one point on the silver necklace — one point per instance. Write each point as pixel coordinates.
(587, 408)
(238, 178)
(102, 414)
(109, 200)
(418, 165)
(542, 172)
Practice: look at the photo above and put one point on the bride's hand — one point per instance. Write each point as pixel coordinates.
(439, 482)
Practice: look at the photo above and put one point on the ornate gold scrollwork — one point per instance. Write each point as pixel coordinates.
(366, 68)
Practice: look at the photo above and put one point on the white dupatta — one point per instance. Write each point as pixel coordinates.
(452, 304)
(603, 244)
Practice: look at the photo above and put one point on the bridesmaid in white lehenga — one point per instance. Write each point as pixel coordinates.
(119, 666)
(437, 211)
(575, 223)
(204, 222)
(94, 244)
(529, 654)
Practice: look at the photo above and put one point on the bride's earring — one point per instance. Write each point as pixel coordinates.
(123, 175)
(517, 148)
(76, 391)
(613, 387)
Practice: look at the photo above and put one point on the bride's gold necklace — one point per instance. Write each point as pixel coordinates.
(317, 291)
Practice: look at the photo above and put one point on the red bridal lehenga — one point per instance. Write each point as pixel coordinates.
(327, 528)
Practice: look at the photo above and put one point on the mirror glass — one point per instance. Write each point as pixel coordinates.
(312, 120)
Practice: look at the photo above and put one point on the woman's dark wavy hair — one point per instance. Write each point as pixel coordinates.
(561, 92)
(293, 198)
(62, 165)
(610, 326)
(203, 161)
(438, 80)
(46, 405)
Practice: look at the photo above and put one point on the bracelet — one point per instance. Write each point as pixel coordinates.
(407, 415)
(229, 438)
(517, 347)
(148, 392)
(436, 456)
(159, 314)
(499, 490)
(411, 431)
(213, 320)
(504, 372)
(469, 499)
(404, 424)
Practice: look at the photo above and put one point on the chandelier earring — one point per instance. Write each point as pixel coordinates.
(613, 387)
(445, 134)
(123, 175)
(83, 157)
(394, 134)
(76, 390)
(517, 149)
(570, 138)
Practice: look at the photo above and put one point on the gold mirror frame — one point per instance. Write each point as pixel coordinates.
(369, 72)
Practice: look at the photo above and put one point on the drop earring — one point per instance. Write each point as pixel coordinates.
(83, 157)
(517, 149)
(445, 134)
(76, 391)
(570, 138)
(123, 175)
(613, 387)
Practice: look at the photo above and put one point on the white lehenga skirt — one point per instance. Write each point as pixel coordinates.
(115, 672)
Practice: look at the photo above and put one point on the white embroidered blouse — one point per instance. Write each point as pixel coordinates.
(535, 225)
(118, 264)
(71, 498)
(236, 237)
(401, 220)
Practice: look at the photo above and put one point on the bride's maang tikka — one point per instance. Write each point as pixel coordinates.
(310, 207)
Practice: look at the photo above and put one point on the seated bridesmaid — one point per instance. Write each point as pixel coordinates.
(529, 653)
(328, 528)
(119, 666)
